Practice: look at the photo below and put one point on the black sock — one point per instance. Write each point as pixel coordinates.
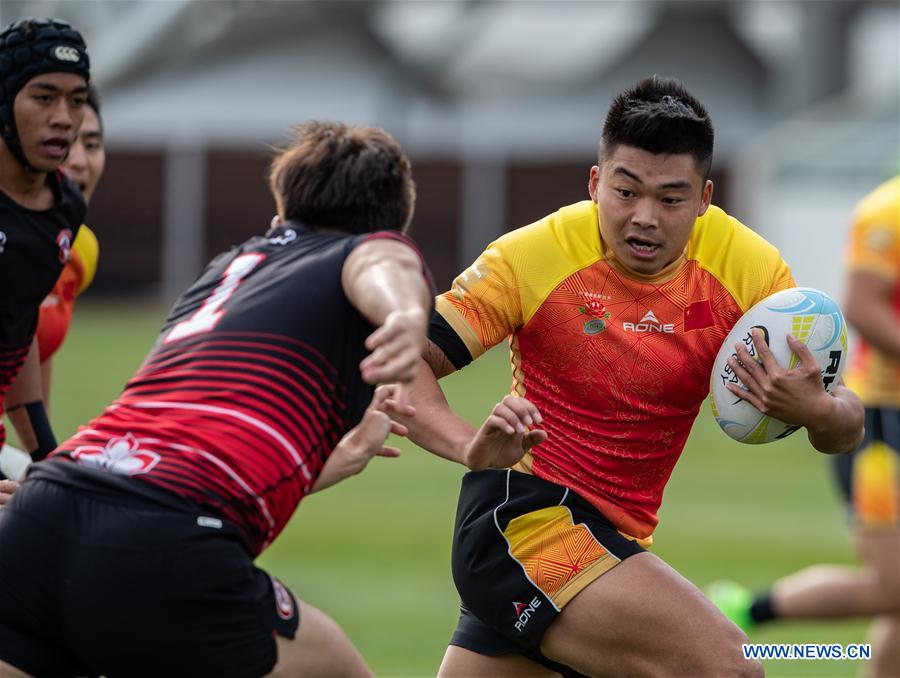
(761, 610)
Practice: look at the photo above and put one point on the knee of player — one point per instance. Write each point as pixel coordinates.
(726, 656)
(734, 663)
(889, 590)
(749, 668)
(731, 663)
(883, 585)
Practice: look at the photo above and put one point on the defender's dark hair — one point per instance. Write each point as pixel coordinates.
(93, 100)
(659, 115)
(354, 179)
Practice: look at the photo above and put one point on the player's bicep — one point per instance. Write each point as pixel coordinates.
(371, 258)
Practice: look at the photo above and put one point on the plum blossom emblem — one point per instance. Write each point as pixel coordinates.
(120, 455)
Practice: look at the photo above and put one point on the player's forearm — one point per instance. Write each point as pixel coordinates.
(336, 468)
(33, 428)
(435, 427)
(840, 425)
(25, 408)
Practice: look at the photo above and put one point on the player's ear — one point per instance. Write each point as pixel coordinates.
(593, 182)
(706, 197)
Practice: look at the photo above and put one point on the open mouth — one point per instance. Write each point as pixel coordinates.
(641, 246)
(56, 147)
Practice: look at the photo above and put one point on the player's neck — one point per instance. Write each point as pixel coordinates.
(24, 186)
(663, 275)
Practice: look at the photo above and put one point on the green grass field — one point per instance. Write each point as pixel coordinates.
(373, 552)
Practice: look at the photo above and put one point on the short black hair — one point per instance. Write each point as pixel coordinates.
(354, 179)
(93, 100)
(660, 116)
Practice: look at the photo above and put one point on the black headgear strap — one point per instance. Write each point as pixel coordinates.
(28, 48)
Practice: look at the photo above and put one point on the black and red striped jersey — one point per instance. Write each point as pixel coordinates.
(34, 247)
(253, 380)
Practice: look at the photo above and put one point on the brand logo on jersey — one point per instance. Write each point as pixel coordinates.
(595, 308)
(524, 612)
(2, 241)
(123, 456)
(649, 323)
(468, 279)
(284, 601)
(287, 237)
(66, 53)
(64, 242)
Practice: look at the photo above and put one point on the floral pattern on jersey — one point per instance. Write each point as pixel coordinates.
(120, 455)
(600, 315)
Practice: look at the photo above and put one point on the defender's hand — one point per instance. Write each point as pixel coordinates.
(505, 435)
(7, 488)
(395, 348)
(365, 440)
(794, 396)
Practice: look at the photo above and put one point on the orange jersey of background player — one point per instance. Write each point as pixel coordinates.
(76, 277)
(874, 248)
(618, 364)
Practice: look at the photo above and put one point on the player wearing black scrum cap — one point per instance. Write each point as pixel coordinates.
(44, 73)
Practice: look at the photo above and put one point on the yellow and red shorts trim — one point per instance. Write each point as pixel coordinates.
(523, 548)
(870, 476)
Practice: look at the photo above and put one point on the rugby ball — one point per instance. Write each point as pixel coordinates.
(814, 319)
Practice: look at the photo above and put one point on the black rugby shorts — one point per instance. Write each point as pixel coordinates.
(95, 586)
(523, 548)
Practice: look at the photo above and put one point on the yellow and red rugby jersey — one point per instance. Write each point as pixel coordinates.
(56, 310)
(874, 247)
(617, 363)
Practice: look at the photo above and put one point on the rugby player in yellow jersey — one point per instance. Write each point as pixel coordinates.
(614, 309)
(84, 166)
(870, 477)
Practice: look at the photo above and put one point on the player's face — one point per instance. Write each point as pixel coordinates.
(647, 205)
(87, 157)
(48, 112)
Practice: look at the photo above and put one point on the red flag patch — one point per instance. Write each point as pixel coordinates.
(698, 315)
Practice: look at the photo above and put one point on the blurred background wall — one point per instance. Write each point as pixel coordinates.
(499, 104)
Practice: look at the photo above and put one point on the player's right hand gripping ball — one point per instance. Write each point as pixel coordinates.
(815, 320)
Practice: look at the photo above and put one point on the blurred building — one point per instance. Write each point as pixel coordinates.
(499, 104)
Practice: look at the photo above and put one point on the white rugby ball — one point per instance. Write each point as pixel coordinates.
(814, 319)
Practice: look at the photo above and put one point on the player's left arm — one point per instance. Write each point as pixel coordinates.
(834, 422)
(25, 407)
